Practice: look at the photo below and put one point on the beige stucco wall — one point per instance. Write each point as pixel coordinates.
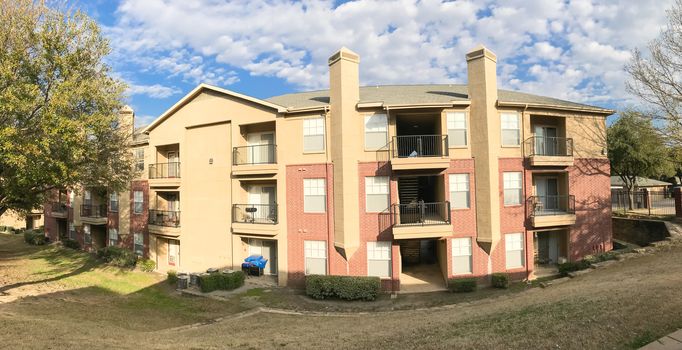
(15, 220)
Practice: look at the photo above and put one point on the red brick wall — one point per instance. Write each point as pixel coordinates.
(513, 219)
(139, 222)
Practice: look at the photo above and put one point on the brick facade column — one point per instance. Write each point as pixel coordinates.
(677, 195)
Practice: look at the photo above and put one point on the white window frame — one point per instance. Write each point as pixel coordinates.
(113, 241)
(72, 231)
(314, 187)
(462, 247)
(136, 202)
(374, 187)
(139, 158)
(514, 243)
(507, 119)
(457, 125)
(380, 251)
(87, 234)
(455, 184)
(314, 250)
(139, 252)
(508, 183)
(113, 197)
(376, 126)
(314, 127)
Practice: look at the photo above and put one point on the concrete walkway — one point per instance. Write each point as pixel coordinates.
(672, 341)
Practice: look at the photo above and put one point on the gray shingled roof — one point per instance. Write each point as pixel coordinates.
(416, 94)
(139, 136)
(639, 181)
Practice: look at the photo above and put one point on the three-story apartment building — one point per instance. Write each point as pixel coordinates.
(405, 182)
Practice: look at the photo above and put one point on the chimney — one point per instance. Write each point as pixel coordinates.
(344, 95)
(126, 120)
(485, 147)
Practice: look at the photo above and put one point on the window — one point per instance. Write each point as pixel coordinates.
(139, 243)
(138, 202)
(315, 257)
(512, 188)
(457, 129)
(376, 193)
(461, 256)
(72, 231)
(86, 234)
(314, 196)
(313, 134)
(139, 159)
(376, 131)
(113, 202)
(173, 252)
(510, 129)
(513, 244)
(87, 197)
(459, 191)
(113, 237)
(379, 259)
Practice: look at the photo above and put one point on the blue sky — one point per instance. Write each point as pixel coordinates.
(573, 49)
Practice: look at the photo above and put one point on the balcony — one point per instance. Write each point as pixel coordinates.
(254, 159)
(546, 211)
(421, 220)
(164, 222)
(164, 174)
(59, 210)
(419, 152)
(549, 151)
(256, 219)
(94, 214)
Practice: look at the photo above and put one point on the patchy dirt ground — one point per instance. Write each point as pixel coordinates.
(77, 303)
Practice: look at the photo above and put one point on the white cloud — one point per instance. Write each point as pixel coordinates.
(153, 91)
(571, 49)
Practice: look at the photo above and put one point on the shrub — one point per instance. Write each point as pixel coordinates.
(571, 266)
(172, 277)
(221, 281)
(117, 256)
(35, 238)
(71, 243)
(342, 287)
(500, 280)
(147, 265)
(462, 285)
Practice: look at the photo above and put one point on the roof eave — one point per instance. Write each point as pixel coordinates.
(585, 109)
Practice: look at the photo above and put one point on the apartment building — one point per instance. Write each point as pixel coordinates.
(411, 183)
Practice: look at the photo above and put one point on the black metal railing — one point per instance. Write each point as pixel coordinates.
(254, 213)
(164, 170)
(256, 154)
(413, 146)
(168, 218)
(643, 202)
(59, 207)
(551, 205)
(94, 211)
(420, 213)
(549, 146)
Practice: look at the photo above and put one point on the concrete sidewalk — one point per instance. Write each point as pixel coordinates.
(672, 341)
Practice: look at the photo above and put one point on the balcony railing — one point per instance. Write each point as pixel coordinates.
(421, 214)
(414, 146)
(549, 146)
(164, 170)
(254, 213)
(166, 218)
(255, 154)
(551, 205)
(94, 211)
(59, 207)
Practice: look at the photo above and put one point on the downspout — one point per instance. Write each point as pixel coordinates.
(326, 178)
(523, 113)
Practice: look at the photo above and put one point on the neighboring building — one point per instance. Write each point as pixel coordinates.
(32, 220)
(641, 183)
(401, 182)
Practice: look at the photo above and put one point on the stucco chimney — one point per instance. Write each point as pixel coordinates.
(485, 147)
(126, 120)
(344, 94)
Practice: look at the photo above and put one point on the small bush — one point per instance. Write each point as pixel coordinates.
(147, 265)
(221, 281)
(35, 238)
(462, 285)
(572, 266)
(71, 243)
(500, 280)
(117, 256)
(342, 287)
(172, 277)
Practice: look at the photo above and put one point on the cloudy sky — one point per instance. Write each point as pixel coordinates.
(573, 49)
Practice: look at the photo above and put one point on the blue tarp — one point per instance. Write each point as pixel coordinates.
(256, 260)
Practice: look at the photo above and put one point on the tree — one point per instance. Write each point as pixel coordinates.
(656, 78)
(58, 106)
(635, 148)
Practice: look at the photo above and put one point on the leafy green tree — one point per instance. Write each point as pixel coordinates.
(636, 148)
(59, 106)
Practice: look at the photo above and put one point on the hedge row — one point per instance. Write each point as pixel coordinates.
(35, 237)
(71, 243)
(117, 256)
(342, 287)
(221, 281)
(572, 266)
(499, 280)
(462, 285)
